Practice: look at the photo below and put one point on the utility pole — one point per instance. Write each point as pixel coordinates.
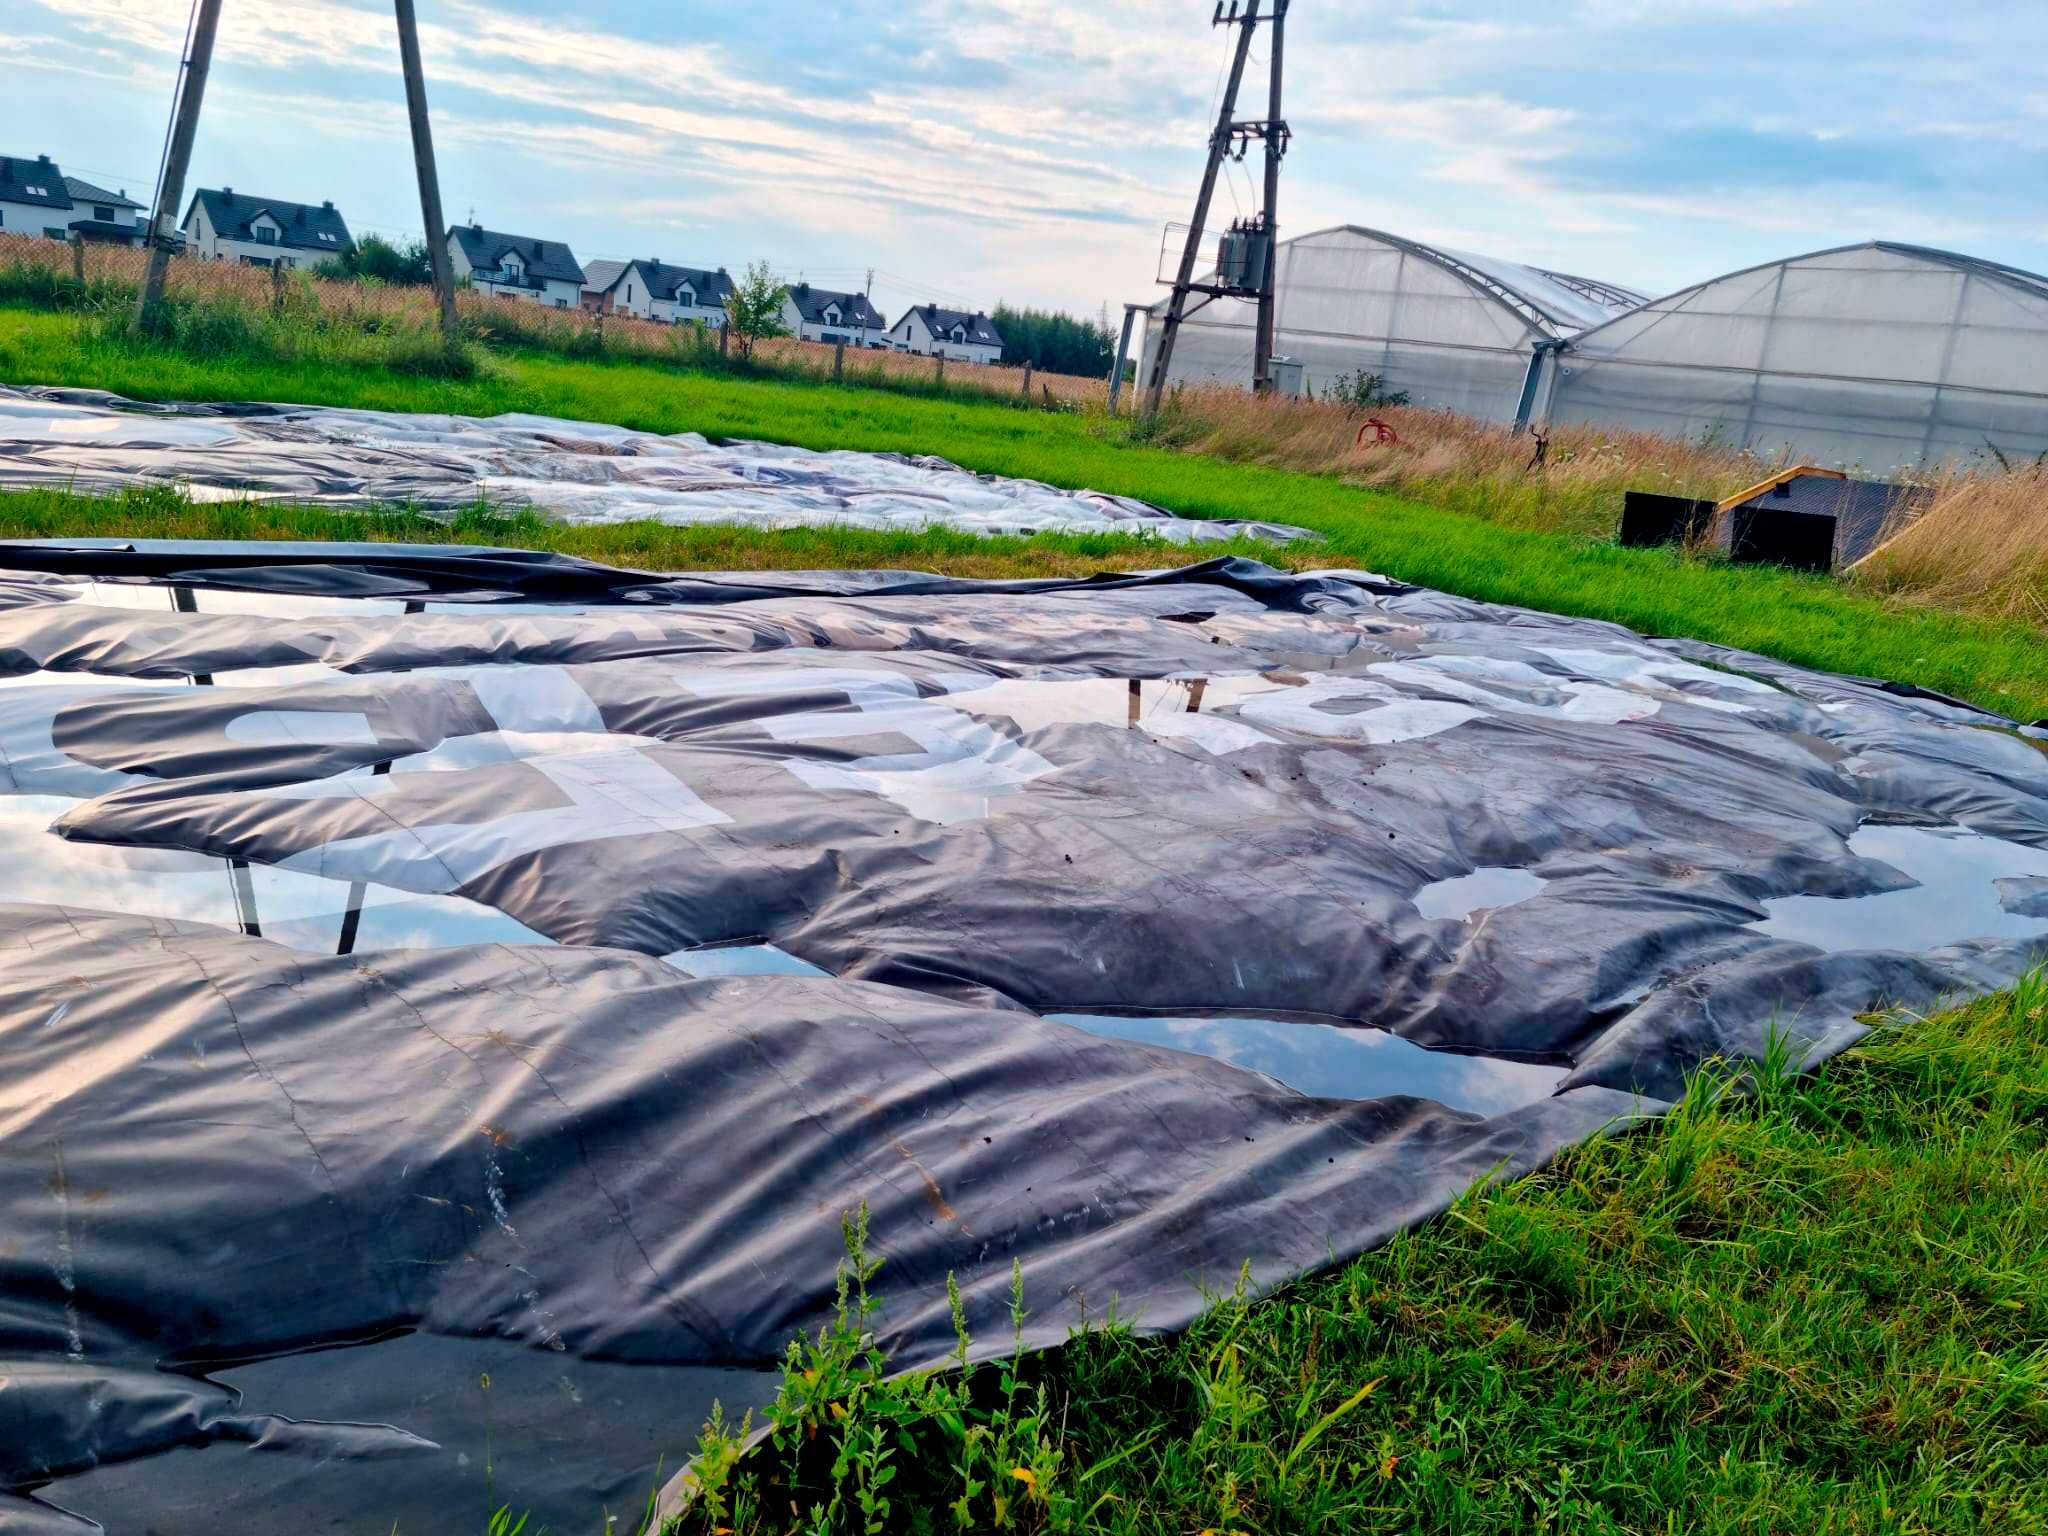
(1276, 146)
(186, 94)
(1229, 132)
(423, 161)
(867, 293)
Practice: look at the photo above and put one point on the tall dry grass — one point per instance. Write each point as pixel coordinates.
(1450, 460)
(1980, 545)
(41, 271)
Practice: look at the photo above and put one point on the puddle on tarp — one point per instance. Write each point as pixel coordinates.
(302, 911)
(1329, 1061)
(1958, 896)
(563, 1440)
(740, 960)
(1484, 890)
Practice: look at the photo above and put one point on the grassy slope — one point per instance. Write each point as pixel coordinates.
(1821, 1308)
(1802, 619)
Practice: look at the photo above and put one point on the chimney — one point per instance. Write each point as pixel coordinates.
(329, 205)
(42, 159)
(227, 191)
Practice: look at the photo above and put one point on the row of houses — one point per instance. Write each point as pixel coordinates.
(221, 224)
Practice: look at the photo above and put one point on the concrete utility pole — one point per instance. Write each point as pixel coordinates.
(1276, 146)
(186, 96)
(1229, 131)
(423, 162)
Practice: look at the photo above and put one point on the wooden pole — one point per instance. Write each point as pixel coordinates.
(1026, 391)
(838, 361)
(78, 258)
(184, 127)
(423, 163)
(277, 286)
(939, 370)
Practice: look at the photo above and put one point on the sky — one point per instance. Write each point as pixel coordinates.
(977, 151)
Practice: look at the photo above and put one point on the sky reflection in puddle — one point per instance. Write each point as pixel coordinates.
(1484, 890)
(1957, 897)
(302, 911)
(740, 960)
(1337, 1062)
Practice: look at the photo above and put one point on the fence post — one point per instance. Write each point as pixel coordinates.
(939, 368)
(838, 361)
(277, 286)
(725, 341)
(1026, 391)
(78, 257)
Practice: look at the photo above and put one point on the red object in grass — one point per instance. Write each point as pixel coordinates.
(1381, 432)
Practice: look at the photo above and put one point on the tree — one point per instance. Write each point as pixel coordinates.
(754, 311)
(379, 260)
(1056, 343)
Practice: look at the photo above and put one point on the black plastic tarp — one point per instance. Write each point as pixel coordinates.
(376, 1018)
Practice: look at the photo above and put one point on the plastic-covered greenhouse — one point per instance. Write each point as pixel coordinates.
(1881, 356)
(1454, 330)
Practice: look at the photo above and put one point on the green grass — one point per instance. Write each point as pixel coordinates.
(1817, 1306)
(1809, 620)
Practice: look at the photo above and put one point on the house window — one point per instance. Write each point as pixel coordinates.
(629, 293)
(53, 233)
(264, 234)
(38, 191)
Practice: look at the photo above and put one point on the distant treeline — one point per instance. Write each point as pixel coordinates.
(1056, 343)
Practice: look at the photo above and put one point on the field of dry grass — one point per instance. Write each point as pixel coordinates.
(381, 307)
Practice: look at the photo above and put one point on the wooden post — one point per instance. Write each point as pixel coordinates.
(184, 125)
(725, 341)
(78, 258)
(939, 368)
(838, 361)
(1026, 391)
(277, 286)
(423, 163)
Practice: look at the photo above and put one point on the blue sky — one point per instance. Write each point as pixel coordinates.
(1031, 150)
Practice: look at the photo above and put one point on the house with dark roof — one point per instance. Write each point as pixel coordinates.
(516, 266)
(112, 218)
(819, 314)
(33, 198)
(654, 290)
(931, 331)
(226, 225)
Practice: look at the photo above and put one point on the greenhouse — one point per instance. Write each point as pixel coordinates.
(1877, 356)
(1453, 330)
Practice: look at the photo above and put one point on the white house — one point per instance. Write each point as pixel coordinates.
(516, 266)
(934, 332)
(817, 314)
(227, 225)
(33, 198)
(654, 290)
(112, 218)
